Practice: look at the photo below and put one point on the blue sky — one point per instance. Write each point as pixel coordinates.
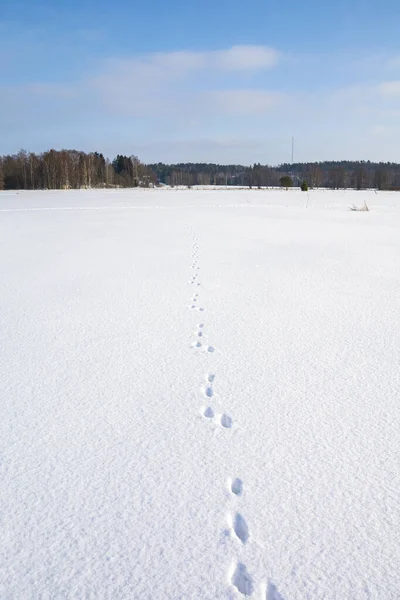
(210, 81)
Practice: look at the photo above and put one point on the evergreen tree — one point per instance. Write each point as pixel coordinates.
(304, 186)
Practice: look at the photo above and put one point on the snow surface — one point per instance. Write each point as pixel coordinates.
(199, 395)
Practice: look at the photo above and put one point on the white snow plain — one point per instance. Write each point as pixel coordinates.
(200, 395)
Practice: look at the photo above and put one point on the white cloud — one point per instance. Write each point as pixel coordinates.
(152, 101)
(394, 62)
(237, 58)
(244, 102)
(389, 88)
(244, 58)
(161, 67)
(181, 85)
(165, 83)
(379, 130)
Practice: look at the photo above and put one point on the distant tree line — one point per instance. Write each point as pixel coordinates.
(329, 174)
(72, 169)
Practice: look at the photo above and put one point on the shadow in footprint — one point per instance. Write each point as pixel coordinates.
(240, 528)
(242, 580)
(226, 421)
(210, 378)
(208, 392)
(237, 487)
(210, 349)
(209, 413)
(272, 593)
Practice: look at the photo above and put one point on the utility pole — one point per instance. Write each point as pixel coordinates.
(292, 149)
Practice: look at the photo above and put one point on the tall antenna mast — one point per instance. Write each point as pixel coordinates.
(292, 149)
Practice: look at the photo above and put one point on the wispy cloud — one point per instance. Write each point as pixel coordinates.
(243, 58)
(179, 101)
(389, 88)
(244, 102)
(393, 62)
(177, 82)
(180, 63)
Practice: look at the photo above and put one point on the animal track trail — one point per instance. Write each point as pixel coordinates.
(200, 330)
(208, 349)
(208, 390)
(238, 575)
(224, 421)
(241, 580)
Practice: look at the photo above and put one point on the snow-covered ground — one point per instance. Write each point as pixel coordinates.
(200, 395)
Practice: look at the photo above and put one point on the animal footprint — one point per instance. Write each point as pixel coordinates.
(237, 487)
(240, 528)
(209, 392)
(210, 349)
(242, 580)
(209, 413)
(226, 421)
(272, 592)
(210, 378)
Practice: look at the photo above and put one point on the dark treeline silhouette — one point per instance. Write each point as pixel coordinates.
(72, 169)
(330, 174)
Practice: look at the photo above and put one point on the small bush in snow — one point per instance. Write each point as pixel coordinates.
(286, 181)
(363, 208)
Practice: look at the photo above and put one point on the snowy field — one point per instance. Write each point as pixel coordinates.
(200, 395)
